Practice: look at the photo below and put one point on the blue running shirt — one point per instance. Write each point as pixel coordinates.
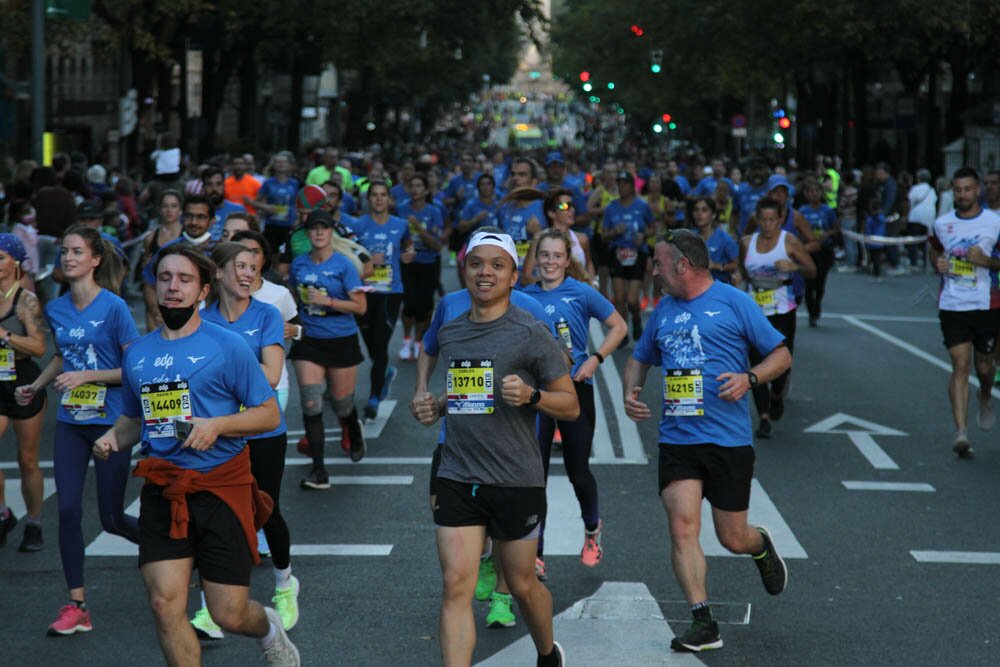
(337, 278)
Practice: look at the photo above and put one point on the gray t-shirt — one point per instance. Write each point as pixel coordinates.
(486, 440)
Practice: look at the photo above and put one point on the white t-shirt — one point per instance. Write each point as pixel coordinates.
(279, 297)
(168, 161)
(965, 286)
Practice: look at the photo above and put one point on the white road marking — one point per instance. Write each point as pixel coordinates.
(628, 432)
(957, 557)
(876, 318)
(861, 437)
(762, 513)
(871, 451)
(563, 525)
(602, 449)
(12, 493)
(376, 480)
(887, 486)
(341, 549)
(621, 625)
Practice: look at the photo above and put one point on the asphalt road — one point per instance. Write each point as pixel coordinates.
(891, 542)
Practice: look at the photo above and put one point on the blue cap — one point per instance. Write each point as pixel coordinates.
(555, 157)
(12, 245)
(645, 173)
(778, 181)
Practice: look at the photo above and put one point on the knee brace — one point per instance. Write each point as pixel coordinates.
(312, 399)
(343, 407)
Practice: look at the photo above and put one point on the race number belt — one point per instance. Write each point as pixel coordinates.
(8, 371)
(470, 387)
(86, 397)
(562, 328)
(381, 280)
(683, 393)
(627, 256)
(963, 270)
(317, 311)
(162, 404)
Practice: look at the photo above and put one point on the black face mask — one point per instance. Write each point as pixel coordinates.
(175, 318)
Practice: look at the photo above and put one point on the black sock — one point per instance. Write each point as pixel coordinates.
(550, 660)
(314, 433)
(702, 611)
(80, 604)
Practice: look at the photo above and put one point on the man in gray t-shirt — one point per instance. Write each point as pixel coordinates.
(486, 440)
(503, 366)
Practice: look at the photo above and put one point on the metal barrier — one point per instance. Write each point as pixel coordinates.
(864, 239)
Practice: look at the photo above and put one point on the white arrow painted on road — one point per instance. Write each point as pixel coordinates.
(620, 624)
(860, 432)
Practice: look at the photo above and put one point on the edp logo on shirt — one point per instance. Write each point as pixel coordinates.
(76, 333)
(166, 361)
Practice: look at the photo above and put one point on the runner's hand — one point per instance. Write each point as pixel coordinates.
(942, 265)
(785, 265)
(24, 394)
(105, 445)
(408, 255)
(734, 386)
(634, 408)
(69, 381)
(203, 434)
(977, 256)
(425, 408)
(316, 298)
(515, 392)
(586, 370)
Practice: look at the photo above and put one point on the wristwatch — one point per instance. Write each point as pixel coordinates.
(536, 396)
(752, 377)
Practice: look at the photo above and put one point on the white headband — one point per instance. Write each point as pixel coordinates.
(490, 238)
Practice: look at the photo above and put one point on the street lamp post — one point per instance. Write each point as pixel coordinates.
(37, 79)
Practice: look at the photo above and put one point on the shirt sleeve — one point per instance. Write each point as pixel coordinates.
(129, 393)
(351, 279)
(730, 249)
(286, 304)
(430, 341)
(597, 304)
(550, 363)
(272, 327)
(758, 329)
(125, 329)
(646, 350)
(245, 378)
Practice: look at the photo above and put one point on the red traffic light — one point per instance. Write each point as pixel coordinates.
(636, 30)
(784, 123)
(584, 76)
(666, 117)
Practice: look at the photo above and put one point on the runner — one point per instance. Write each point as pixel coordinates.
(185, 385)
(388, 239)
(276, 200)
(701, 335)
(91, 326)
(769, 258)
(261, 327)
(168, 228)
(489, 584)
(330, 295)
(626, 220)
(962, 245)
(521, 215)
(22, 337)
(491, 480)
(421, 276)
(569, 303)
(559, 211)
(823, 221)
(723, 253)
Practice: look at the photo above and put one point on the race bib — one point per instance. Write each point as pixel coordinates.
(562, 328)
(85, 401)
(8, 372)
(470, 387)
(522, 251)
(317, 311)
(767, 299)
(683, 393)
(627, 256)
(963, 270)
(381, 280)
(281, 211)
(162, 404)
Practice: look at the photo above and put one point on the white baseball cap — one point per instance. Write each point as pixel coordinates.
(490, 238)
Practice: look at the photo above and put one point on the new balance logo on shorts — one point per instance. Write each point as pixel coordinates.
(532, 520)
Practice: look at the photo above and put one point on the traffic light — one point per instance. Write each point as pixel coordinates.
(672, 126)
(657, 128)
(778, 138)
(611, 85)
(667, 117)
(636, 30)
(655, 61)
(585, 76)
(784, 122)
(587, 87)
(655, 68)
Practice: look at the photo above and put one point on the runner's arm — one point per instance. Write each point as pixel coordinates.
(558, 397)
(633, 378)
(122, 436)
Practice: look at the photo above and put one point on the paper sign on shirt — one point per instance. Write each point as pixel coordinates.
(163, 403)
(470, 387)
(683, 393)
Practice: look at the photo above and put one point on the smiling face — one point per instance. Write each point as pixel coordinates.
(258, 256)
(178, 283)
(490, 274)
(237, 277)
(197, 219)
(553, 259)
(78, 260)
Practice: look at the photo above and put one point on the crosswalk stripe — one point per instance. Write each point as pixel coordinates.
(762, 512)
(15, 502)
(628, 432)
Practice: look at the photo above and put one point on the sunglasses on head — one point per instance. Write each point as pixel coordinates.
(565, 206)
(670, 237)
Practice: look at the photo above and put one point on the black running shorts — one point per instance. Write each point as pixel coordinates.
(508, 512)
(977, 326)
(725, 472)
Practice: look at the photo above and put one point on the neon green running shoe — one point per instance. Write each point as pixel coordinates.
(204, 626)
(286, 603)
(487, 578)
(500, 615)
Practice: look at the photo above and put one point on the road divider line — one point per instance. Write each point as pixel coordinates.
(888, 486)
(628, 432)
(341, 549)
(957, 557)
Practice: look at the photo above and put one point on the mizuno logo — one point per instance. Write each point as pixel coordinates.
(96, 323)
(195, 360)
(568, 299)
(251, 332)
(712, 313)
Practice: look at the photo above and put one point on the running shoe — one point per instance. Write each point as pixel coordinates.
(813, 321)
(777, 410)
(205, 627)
(286, 603)
(540, 571)
(263, 548)
(500, 615)
(592, 551)
(7, 523)
(764, 428)
(487, 580)
(562, 654)
(986, 417)
(962, 446)
(359, 446)
(371, 408)
(32, 540)
(71, 619)
(701, 636)
(317, 479)
(644, 303)
(405, 351)
(390, 376)
(772, 569)
(282, 651)
(303, 446)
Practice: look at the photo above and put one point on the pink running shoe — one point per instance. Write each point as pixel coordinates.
(540, 570)
(592, 551)
(71, 620)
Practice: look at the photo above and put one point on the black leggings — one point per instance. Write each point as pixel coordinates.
(577, 440)
(816, 287)
(763, 391)
(419, 285)
(267, 463)
(376, 326)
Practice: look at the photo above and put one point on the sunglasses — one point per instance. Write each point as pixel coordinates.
(565, 206)
(671, 237)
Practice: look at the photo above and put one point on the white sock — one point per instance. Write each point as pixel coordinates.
(283, 578)
(204, 605)
(268, 639)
